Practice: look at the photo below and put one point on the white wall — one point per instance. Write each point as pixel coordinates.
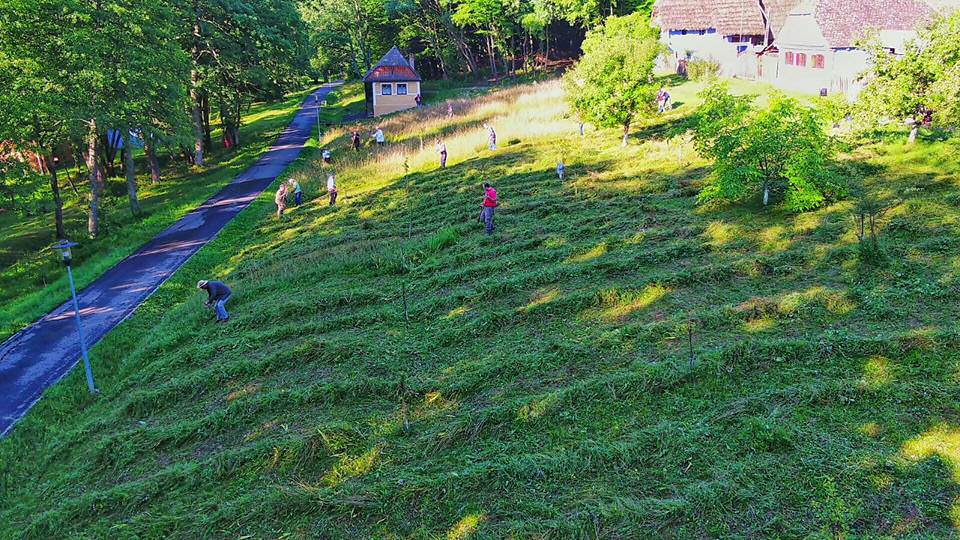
(710, 45)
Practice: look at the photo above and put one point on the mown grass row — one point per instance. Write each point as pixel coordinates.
(533, 384)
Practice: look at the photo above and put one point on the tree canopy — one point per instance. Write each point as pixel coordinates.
(613, 83)
(779, 150)
(924, 81)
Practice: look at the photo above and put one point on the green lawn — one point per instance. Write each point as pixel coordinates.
(390, 372)
(31, 281)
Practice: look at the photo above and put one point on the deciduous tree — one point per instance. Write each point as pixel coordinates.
(925, 80)
(612, 84)
(778, 149)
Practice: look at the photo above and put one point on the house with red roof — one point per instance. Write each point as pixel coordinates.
(818, 47)
(732, 33)
(392, 85)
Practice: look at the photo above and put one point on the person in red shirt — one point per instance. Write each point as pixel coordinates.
(489, 204)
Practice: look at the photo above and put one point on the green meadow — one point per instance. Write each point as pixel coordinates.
(31, 280)
(616, 361)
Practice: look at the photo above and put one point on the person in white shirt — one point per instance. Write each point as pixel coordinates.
(379, 137)
(491, 137)
(332, 187)
(442, 150)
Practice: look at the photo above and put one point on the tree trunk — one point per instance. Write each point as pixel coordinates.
(491, 54)
(93, 219)
(766, 193)
(205, 119)
(130, 171)
(456, 35)
(626, 134)
(57, 202)
(195, 89)
(197, 119)
(152, 162)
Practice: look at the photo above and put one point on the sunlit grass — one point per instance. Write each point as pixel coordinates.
(35, 283)
(615, 362)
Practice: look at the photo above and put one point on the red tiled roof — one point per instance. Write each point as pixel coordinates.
(392, 67)
(843, 22)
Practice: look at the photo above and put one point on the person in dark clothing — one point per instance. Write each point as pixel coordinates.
(355, 139)
(217, 295)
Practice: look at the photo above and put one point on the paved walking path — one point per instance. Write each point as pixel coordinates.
(40, 355)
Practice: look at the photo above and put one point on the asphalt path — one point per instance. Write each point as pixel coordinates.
(37, 357)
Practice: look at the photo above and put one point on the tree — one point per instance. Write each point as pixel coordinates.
(363, 22)
(612, 84)
(780, 148)
(240, 50)
(36, 101)
(925, 80)
(427, 21)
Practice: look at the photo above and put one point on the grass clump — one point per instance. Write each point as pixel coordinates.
(531, 384)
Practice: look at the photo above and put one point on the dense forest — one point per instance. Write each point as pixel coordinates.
(82, 79)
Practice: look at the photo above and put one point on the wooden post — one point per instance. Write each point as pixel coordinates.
(693, 359)
(406, 311)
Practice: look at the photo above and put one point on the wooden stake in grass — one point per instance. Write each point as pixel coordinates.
(406, 311)
(693, 359)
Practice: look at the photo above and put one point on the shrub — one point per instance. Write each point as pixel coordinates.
(703, 69)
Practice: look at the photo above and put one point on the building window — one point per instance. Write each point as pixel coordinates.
(801, 60)
(789, 58)
(818, 61)
(386, 89)
(401, 89)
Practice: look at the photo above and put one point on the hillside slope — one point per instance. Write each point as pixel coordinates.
(32, 280)
(543, 386)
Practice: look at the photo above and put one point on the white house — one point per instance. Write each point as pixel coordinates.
(731, 32)
(816, 49)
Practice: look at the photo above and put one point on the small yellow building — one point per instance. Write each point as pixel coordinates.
(392, 85)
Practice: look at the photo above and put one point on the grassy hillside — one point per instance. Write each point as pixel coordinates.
(390, 372)
(31, 280)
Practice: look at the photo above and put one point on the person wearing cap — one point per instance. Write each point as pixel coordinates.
(217, 295)
(326, 156)
(488, 205)
(297, 192)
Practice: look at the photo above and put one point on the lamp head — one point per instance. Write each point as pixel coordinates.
(63, 246)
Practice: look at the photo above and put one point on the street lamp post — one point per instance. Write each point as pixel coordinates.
(64, 248)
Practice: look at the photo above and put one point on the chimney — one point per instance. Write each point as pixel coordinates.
(410, 59)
